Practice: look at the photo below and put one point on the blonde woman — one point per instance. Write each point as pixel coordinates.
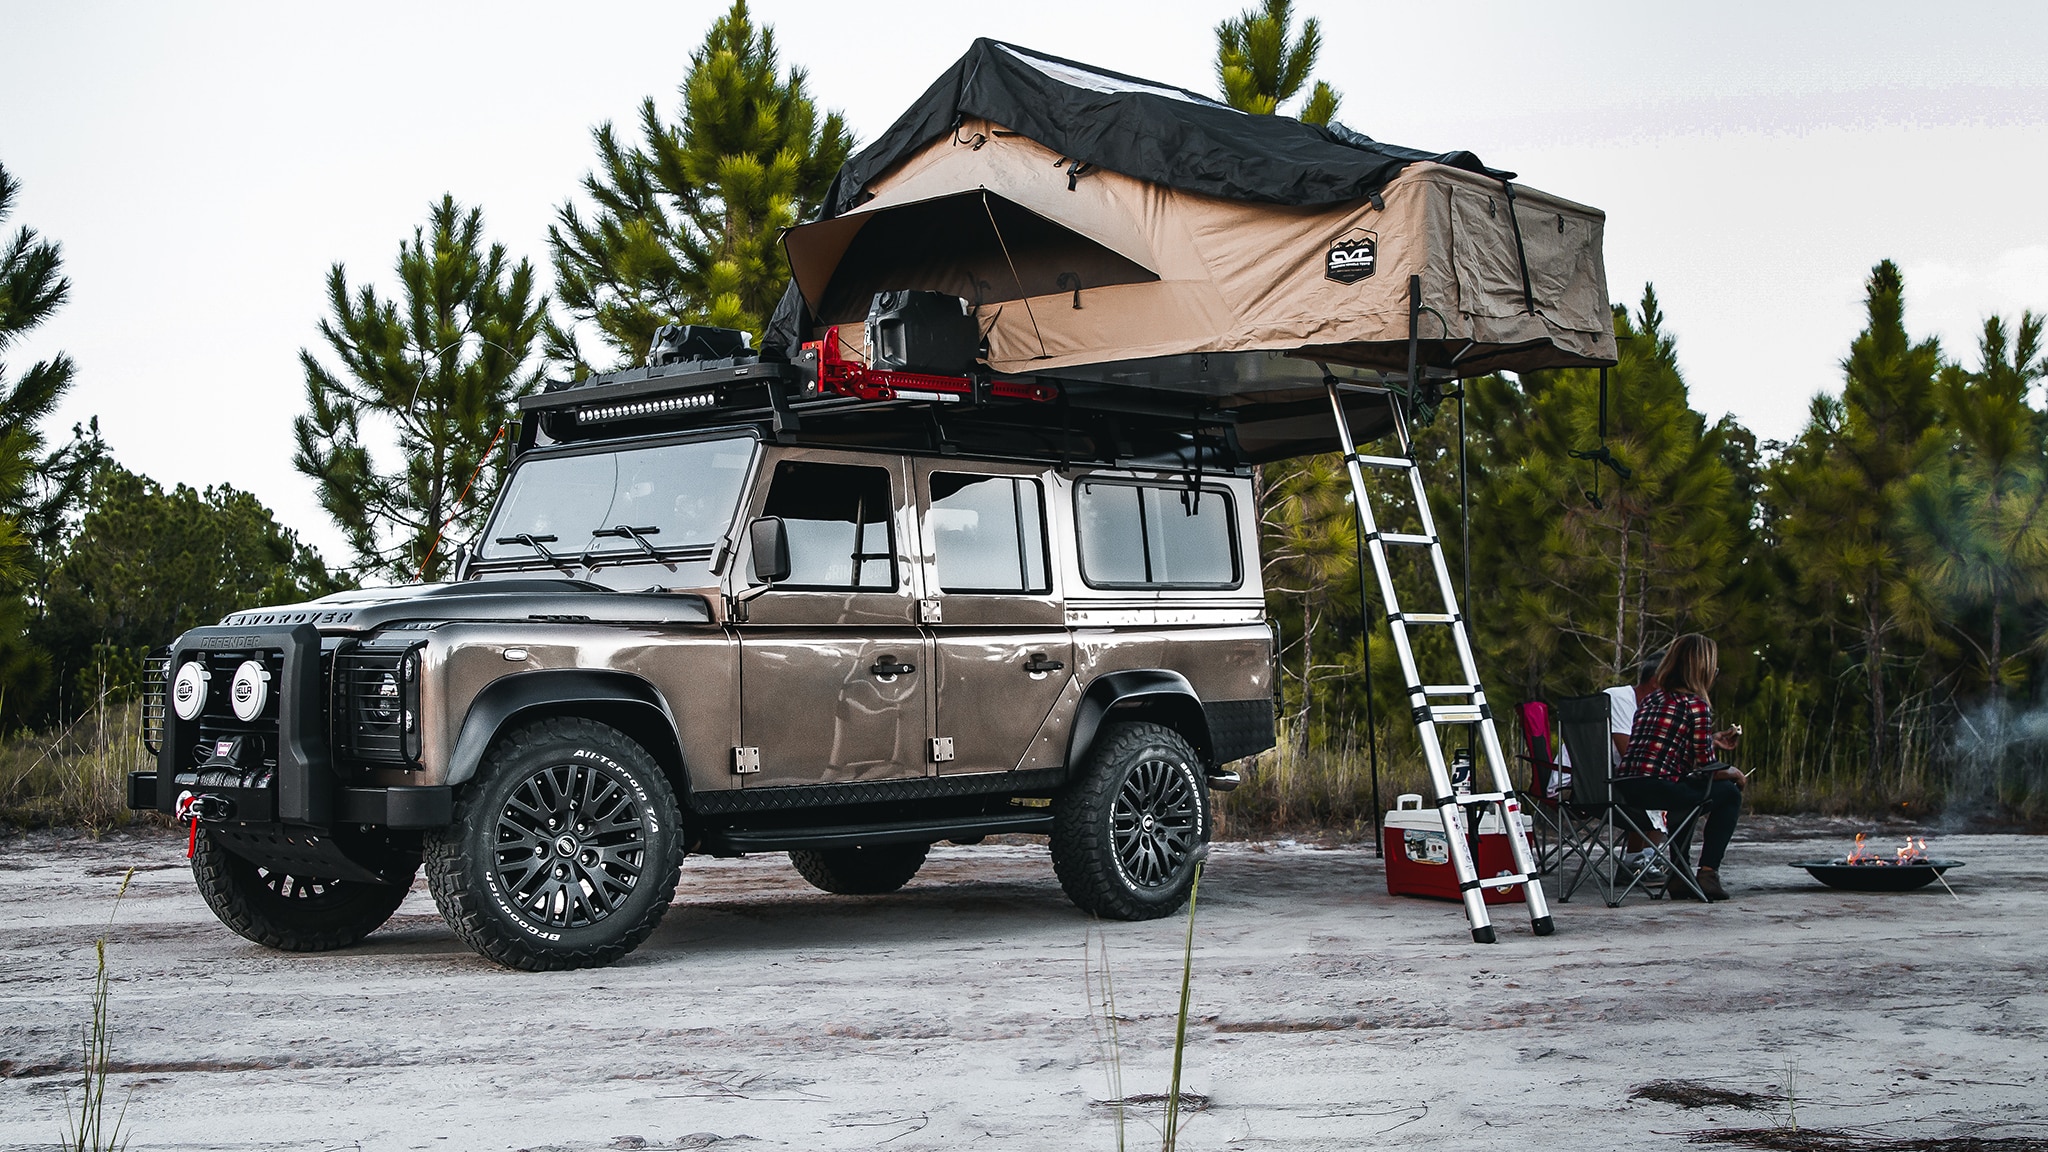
(1670, 762)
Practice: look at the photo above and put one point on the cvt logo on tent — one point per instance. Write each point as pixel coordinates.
(1351, 258)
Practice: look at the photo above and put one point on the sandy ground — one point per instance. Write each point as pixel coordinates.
(763, 1014)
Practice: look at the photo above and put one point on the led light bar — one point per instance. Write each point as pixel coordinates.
(637, 409)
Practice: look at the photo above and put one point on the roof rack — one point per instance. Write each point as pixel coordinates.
(1210, 411)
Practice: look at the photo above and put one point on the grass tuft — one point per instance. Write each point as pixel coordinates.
(75, 776)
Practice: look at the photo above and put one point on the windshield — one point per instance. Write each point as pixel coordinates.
(637, 499)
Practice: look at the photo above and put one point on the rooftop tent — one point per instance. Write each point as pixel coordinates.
(1116, 233)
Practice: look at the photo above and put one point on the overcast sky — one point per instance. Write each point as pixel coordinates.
(202, 165)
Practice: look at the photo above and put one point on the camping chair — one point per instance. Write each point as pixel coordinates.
(1585, 831)
(1540, 799)
(1661, 861)
(1602, 821)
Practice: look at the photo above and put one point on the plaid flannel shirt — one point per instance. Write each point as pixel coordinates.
(1673, 735)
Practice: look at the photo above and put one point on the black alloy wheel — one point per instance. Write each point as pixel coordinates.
(1156, 822)
(571, 845)
(1127, 829)
(564, 849)
(293, 913)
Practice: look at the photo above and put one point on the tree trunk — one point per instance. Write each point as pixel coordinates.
(1621, 598)
(1997, 637)
(1308, 665)
(1873, 646)
(1628, 675)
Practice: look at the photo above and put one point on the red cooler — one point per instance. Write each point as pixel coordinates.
(1419, 858)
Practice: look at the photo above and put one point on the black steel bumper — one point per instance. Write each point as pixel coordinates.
(419, 806)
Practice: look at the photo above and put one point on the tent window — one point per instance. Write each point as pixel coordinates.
(1152, 536)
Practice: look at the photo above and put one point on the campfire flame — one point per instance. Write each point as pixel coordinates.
(1913, 852)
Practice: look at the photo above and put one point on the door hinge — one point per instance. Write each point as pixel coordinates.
(746, 760)
(942, 749)
(930, 612)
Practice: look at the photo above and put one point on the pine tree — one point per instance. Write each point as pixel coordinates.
(1975, 519)
(1578, 591)
(1308, 542)
(146, 564)
(687, 225)
(1260, 65)
(438, 369)
(1839, 488)
(39, 487)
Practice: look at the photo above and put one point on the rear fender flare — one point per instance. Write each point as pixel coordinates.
(1158, 694)
(625, 702)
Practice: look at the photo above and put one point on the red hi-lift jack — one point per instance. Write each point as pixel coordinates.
(838, 376)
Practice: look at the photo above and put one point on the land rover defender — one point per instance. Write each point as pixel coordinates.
(729, 606)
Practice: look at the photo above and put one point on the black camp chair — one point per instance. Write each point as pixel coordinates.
(1585, 831)
(1601, 821)
(1656, 875)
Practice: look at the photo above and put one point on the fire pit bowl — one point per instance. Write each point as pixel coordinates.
(1876, 877)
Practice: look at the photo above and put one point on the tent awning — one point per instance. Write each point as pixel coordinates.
(977, 245)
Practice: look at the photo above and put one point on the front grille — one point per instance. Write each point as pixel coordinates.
(375, 704)
(156, 675)
(218, 721)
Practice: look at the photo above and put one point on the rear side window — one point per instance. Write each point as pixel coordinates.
(838, 521)
(988, 533)
(1155, 536)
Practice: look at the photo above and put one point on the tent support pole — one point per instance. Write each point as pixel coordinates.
(1414, 337)
(1372, 727)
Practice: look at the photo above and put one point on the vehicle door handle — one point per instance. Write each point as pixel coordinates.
(889, 666)
(1038, 663)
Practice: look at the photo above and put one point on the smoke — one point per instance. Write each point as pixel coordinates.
(1997, 765)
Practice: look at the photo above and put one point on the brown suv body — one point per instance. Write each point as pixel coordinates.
(954, 638)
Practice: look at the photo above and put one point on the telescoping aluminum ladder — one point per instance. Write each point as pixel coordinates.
(1465, 702)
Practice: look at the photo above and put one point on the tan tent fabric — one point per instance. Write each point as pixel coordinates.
(1232, 276)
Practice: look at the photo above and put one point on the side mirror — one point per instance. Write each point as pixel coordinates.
(768, 537)
(463, 555)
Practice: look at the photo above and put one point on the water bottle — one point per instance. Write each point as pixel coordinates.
(1461, 771)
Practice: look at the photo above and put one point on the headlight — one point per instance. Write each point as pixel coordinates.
(378, 701)
(250, 690)
(381, 704)
(188, 692)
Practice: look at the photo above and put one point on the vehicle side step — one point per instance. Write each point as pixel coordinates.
(1035, 821)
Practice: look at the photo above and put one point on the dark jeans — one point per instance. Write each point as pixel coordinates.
(1722, 799)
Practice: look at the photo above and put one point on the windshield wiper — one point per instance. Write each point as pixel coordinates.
(537, 543)
(637, 535)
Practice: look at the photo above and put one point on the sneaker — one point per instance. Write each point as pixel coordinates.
(1646, 862)
(1710, 883)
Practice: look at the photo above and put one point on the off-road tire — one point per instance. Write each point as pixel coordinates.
(533, 770)
(866, 870)
(1130, 765)
(291, 913)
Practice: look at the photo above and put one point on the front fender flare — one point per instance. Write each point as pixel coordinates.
(566, 691)
(1162, 689)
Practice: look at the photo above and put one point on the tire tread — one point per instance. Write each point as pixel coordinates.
(1087, 874)
(448, 879)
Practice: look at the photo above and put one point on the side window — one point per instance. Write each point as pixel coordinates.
(988, 533)
(1155, 536)
(838, 518)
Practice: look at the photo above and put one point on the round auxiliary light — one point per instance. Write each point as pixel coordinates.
(250, 691)
(188, 690)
